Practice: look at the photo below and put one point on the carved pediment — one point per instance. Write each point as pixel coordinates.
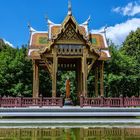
(70, 36)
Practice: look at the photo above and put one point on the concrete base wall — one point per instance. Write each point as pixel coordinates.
(69, 112)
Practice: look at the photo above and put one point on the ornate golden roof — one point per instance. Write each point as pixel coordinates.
(69, 32)
(55, 30)
(38, 40)
(97, 41)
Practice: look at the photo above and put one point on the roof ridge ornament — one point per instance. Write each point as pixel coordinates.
(87, 21)
(69, 8)
(104, 30)
(86, 24)
(104, 33)
(31, 29)
(49, 21)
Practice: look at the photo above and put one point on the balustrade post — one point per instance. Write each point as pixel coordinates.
(16, 102)
(61, 102)
(133, 101)
(81, 101)
(126, 102)
(0, 101)
(52, 101)
(40, 101)
(121, 101)
(20, 101)
(63, 99)
(33, 101)
(108, 102)
(102, 101)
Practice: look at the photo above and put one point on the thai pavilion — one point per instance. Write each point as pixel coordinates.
(69, 46)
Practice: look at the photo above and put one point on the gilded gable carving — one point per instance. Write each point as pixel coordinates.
(69, 35)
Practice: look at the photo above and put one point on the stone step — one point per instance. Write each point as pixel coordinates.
(69, 109)
(68, 112)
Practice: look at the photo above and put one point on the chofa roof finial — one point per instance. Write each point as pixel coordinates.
(69, 8)
(104, 30)
(31, 29)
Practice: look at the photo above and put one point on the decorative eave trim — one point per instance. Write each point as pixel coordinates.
(32, 50)
(62, 30)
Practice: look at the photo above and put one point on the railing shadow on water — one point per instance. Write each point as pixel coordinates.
(77, 133)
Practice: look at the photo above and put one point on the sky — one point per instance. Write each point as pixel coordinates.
(120, 17)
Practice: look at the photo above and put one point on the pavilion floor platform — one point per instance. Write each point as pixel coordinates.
(70, 111)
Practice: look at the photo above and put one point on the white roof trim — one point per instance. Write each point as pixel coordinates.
(50, 22)
(105, 41)
(85, 25)
(86, 22)
(39, 32)
(86, 28)
(32, 29)
(50, 29)
(50, 25)
(32, 50)
(31, 40)
(107, 52)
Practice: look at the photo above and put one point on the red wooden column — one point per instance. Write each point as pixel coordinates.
(96, 81)
(79, 78)
(102, 78)
(35, 79)
(84, 72)
(54, 72)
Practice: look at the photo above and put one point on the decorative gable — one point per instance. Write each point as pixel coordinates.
(69, 36)
(70, 33)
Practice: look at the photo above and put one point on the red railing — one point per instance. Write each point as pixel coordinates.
(110, 102)
(84, 101)
(27, 102)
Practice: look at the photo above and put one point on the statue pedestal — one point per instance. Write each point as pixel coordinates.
(68, 101)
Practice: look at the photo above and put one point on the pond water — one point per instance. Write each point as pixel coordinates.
(85, 133)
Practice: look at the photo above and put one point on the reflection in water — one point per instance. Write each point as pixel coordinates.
(69, 133)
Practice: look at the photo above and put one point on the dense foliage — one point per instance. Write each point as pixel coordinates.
(121, 75)
(15, 72)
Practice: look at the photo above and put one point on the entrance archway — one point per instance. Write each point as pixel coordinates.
(70, 69)
(67, 87)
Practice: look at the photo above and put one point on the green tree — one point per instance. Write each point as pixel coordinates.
(15, 72)
(121, 73)
(131, 45)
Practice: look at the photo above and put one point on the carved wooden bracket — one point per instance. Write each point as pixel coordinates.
(90, 65)
(49, 65)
